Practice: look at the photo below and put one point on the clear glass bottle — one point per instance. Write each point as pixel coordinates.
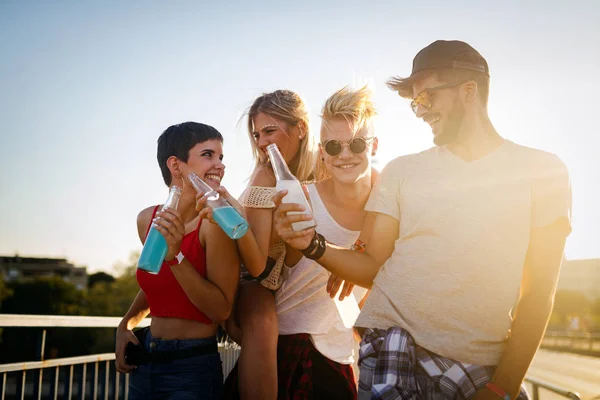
(155, 247)
(232, 223)
(287, 181)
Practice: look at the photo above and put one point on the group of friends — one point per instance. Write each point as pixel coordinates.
(453, 253)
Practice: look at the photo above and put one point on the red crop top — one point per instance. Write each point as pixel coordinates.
(165, 296)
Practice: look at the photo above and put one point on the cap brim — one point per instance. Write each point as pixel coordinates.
(404, 86)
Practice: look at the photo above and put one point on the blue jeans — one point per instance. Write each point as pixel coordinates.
(199, 377)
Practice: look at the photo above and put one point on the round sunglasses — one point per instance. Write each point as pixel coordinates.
(357, 145)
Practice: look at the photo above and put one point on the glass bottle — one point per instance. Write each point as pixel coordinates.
(155, 247)
(287, 181)
(224, 214)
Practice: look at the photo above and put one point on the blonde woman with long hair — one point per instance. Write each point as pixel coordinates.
(280, 117)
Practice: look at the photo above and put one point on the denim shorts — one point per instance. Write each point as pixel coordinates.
(198, 377)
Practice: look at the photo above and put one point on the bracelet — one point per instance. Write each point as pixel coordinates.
(492, 387)
(314, 242)
(322, 245)
(177, 260)
(358, 246)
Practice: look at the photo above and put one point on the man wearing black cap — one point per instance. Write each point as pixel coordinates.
(462, 247)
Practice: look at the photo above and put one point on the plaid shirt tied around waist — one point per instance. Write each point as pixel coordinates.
(394, 367)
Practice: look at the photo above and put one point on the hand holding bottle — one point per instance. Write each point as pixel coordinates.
(206, 211)
(223, 212)
(287, 214)
(294, 190)
(155, 246)
(169, 223)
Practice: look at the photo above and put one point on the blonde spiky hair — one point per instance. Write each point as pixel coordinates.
(355, 106)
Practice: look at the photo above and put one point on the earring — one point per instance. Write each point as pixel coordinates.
(182, 183)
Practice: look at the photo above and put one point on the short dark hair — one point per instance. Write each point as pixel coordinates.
(178, 140)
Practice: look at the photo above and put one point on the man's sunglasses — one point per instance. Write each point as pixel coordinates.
(357, 145)
(425, 98)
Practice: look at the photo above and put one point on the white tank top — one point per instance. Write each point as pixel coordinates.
(303, 305)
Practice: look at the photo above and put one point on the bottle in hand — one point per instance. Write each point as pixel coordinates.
(155, 247)
(226, 216)
(287, 181)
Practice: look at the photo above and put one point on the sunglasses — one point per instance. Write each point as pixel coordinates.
(425, 97)
(357, 145)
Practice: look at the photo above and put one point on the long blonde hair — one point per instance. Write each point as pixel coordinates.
(355, 106)
(289, 107)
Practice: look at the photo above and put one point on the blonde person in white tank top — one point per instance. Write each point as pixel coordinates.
(304, 302)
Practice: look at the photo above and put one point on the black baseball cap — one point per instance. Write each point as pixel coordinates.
(452, 54)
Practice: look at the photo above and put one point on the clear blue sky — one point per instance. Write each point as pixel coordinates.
(87, 87)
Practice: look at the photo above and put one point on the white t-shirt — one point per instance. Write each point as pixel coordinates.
(455, 272)
(303, 305)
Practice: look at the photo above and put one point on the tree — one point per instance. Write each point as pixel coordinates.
(99, 277)
(45, 296)
(4, 290)
(567, 302)
(112, 299)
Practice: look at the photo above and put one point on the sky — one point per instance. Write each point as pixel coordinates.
(87, 87)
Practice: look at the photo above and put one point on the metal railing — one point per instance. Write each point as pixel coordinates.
(92, 376)
(106, 381)
(536, 384)
(576, 342)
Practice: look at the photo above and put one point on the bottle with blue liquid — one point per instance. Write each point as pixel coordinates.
(232, 223)
(155, 247)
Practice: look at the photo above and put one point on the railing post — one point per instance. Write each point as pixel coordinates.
(23, 385)
(536, 391)
(83, 380)
(3, 386)
(54, 384)
(106, 383)
(95, 392)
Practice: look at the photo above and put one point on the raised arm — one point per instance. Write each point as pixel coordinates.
(254, 245)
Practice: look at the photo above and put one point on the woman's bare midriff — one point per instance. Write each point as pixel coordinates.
(168, 328)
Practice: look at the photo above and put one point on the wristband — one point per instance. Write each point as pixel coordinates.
(321, 246)
(314, 242)
(177, 260)
(358, 246)
(492, 387)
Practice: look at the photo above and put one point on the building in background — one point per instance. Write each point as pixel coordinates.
(16, 268)
(582, 276)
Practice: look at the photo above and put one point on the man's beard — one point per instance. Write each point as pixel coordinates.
(452, 126)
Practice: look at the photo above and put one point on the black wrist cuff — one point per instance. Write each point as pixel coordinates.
(319, 248)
